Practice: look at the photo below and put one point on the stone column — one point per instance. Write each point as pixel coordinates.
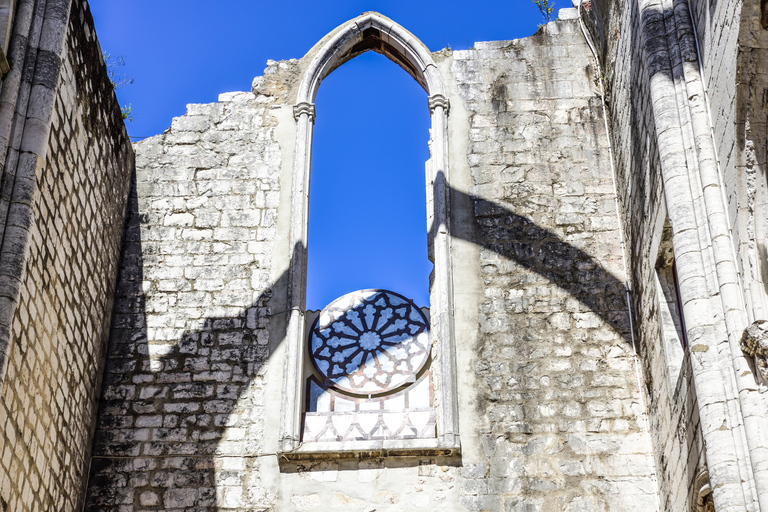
(290, 434)
(441, 307)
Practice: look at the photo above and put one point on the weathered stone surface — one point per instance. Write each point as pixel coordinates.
(554, 360)
(569, 398)
(754, 343)
(72, 236)
(188, 351)
(664, 152)
(557, 401)
(640, 191)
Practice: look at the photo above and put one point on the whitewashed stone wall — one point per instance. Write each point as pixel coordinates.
(557, 378)
(734, 43)
(184, 384)
(552, 415)
(68, 199)
(669, 118)
(556, 410)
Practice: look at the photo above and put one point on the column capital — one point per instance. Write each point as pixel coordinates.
(438, 100)
(304, 108)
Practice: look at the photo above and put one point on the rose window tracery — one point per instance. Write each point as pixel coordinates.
(370, 342)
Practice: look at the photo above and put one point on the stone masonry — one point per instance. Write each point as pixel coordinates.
(60, 326)
(184, 387)
(672, 119)
(554, 362)
(597, 208)
(672, 409)
(558, 421)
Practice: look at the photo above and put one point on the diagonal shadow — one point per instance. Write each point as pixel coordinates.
(537, 249)
(162, 421)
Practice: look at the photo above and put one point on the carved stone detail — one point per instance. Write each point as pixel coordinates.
(704, 501)
(370, 341)
(754, 343)
(438, 100)
(304, 108)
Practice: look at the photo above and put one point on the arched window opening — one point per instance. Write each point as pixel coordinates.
(367, 205)
(370, 352)
(348, 357)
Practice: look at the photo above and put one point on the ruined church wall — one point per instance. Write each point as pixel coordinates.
(717, 27)
(660, 33)
(184, 388)
(556, 377)
(733, 38)
(672, 407)
(734, 56)
(752, 122)
(551, 412)
(76, 192)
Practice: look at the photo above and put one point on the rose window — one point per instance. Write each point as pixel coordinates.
(369, 342)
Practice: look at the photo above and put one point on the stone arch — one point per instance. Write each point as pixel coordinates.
(372, 31)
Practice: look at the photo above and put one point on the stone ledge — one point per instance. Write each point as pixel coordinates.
(388, 448)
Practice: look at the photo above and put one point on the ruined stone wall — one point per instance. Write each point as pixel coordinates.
(551, 411)
(734, 55)
(182, 420)
(733, 39)
(718, 36)
(752, 118)
(557, 378)
(717, 27)
(672, 407)
(662, 118)
(77, 195)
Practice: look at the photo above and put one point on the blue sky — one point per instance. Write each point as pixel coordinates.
(367, 214)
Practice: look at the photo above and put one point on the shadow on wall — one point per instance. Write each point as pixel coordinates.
(163, 421)
(162, 418)
(518, 239)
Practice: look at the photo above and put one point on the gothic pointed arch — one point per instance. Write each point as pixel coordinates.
(370, 31)
(373, 31)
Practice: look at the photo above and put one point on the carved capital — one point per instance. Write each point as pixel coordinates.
(703, 488)
(438, 100)
(304, 108)
(754, 343)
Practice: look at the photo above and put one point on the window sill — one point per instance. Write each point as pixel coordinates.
(376, 449)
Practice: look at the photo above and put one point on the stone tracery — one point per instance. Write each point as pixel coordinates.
(370, 341)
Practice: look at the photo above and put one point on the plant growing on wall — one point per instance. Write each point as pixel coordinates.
(114, 64)
(118, 80)
(546, 8)
(125, 111)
